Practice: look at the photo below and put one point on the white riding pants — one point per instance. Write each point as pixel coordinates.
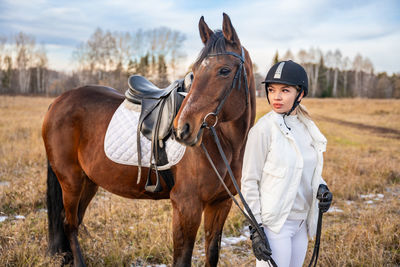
(289, 247)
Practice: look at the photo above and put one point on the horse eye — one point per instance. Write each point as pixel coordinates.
(224, 71)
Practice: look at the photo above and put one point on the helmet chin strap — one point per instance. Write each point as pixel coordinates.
(295, 104)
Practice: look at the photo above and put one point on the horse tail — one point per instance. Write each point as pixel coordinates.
(58, 241)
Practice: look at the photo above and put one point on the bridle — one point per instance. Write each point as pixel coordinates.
(236, 81)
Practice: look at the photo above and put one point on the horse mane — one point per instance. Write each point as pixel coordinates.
(216, 44)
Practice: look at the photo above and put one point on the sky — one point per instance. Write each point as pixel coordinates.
(371, 28)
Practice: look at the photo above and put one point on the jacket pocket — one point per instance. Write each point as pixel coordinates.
(274, 170)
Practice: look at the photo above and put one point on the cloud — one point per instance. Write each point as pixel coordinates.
(369, 27)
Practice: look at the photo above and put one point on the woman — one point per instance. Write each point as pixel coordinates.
(282, 169)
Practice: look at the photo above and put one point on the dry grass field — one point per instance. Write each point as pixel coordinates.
(362, 168)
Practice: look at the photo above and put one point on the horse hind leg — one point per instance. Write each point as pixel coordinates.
(88, 192)
(215, 215)
(72, 180)
(58, 240)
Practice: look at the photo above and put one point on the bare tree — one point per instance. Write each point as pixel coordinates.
(315, 56)
(39, 70)
(258, 79)
(396, 85)
(357, 67)
(367, 77)
(176, 55)
(24, 45)
(3, 41)
(305, 61)
(288, 55)
(345, 68)
(336, 65)
(100, 49)
(384, 87)
(302, 55)
(329, 63)
(123, 48)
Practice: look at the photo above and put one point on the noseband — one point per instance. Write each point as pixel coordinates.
(236, 81)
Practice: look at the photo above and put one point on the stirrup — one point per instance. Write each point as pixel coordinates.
(149, 187)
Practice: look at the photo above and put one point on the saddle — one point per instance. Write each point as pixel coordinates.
(158, 110)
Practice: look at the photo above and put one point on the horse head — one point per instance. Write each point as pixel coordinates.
(222, 77)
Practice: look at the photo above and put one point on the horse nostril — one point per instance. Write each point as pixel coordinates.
(183, 132)
(173, 131)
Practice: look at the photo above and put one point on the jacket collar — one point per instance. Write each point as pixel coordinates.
(319, 139)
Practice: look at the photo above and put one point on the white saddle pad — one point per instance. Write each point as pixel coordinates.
(120, 144)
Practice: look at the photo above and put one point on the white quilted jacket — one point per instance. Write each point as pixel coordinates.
(272, 169)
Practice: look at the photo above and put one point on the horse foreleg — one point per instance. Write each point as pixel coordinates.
(185, 223)
(214, 218)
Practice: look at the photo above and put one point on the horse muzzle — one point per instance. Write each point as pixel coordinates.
(184, 135)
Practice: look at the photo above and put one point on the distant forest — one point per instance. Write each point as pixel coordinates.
(109, 58)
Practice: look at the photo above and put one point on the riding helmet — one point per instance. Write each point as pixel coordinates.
(287, 72)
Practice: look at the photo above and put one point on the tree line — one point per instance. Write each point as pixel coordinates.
(109, 58)
(106, 58)
(332, 75)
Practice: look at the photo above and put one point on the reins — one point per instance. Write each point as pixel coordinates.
(236, 80)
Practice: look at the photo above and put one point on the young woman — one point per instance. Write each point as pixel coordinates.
(282, 169)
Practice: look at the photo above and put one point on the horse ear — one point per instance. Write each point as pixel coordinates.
(229, 32)
(205, 31)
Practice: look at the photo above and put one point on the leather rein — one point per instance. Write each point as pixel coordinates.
(236, 81)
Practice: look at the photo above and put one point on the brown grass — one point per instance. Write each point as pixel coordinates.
(120, 232)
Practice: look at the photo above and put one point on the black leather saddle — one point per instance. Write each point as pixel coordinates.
(158, 110)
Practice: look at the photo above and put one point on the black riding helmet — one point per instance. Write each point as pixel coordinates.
(290, 73)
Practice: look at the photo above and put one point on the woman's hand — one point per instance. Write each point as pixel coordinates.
(325, 198)
(260, 244)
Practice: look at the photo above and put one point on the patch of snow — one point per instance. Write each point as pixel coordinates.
(246, 231)
(367, 196)
(334, 209)
(4, 183)
(369, 202)
(19, 217)
(376, 196)
(232, 240)
(349, 202)
(42, 210)
(3, 218)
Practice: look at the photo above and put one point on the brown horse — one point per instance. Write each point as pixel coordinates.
(74, 130)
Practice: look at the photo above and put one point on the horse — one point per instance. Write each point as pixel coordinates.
(74, 129)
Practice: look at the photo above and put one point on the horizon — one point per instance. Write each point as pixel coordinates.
(368, 28)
